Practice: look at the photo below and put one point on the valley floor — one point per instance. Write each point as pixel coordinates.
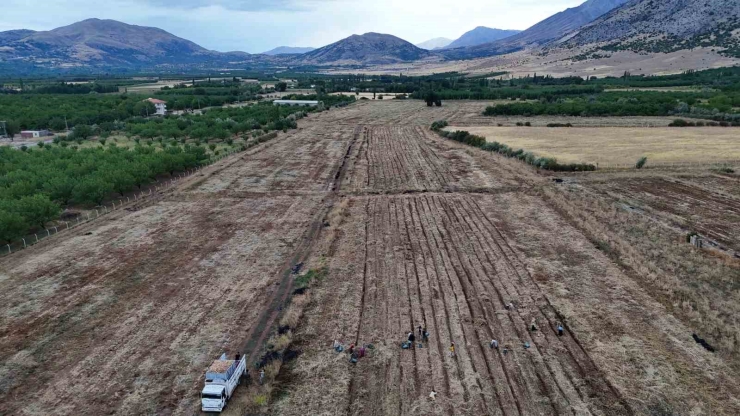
(123, 315)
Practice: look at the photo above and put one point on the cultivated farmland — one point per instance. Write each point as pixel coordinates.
(123, 315)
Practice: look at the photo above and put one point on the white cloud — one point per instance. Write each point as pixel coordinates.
(259, 25)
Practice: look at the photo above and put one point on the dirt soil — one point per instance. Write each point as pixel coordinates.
(124, 315)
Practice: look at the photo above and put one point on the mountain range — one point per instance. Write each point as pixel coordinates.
(610, 25)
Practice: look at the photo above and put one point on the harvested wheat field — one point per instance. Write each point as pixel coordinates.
(608, 146)
(398, 228)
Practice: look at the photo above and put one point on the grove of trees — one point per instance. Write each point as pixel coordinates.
(36, 184)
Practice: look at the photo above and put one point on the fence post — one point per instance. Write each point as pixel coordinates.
(150, 191)
(105, 209)
(56, 231)
(97, 214)
(78, 220)
(120, 202)
(9, 249)
(127, 199)
(88, 217)
(37, 237)
(24, 242)
(65, 222)
(114, 204)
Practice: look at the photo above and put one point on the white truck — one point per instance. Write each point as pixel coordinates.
(221, 380)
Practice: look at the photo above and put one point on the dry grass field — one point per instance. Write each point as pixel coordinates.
(618, 145)
(122, 316)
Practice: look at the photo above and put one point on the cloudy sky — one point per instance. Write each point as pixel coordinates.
(258, 25)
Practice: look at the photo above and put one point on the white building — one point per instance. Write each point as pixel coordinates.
(296, 103)
(160, 105)
(34, 134)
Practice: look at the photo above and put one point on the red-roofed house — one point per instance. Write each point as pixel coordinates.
(160, 105)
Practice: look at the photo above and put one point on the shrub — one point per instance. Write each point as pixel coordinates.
(680, 123)
(528, 124)
(260, 400)
(519, 123)
(439, 125)
(641, 162)
(559, 125)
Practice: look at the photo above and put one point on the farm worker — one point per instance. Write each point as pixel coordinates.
(526, 345)
(351, 349)
(262, 376)
(494, 344)
(425, 335)
(433, 395)
(560, 329)
(452, 350)
(420, 333)
(533, 325)
(506, 349)
(237, 357)
(336, 344)
(361, 352)
(412, 337)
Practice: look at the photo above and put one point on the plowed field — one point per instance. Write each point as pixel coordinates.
(123, 315)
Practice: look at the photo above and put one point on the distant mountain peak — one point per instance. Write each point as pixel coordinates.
(481, 35)
(368, 48)
(435, 43)
(288, 50)
(99, 42)
(550, 29)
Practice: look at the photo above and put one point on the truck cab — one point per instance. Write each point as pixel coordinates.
(213, 398)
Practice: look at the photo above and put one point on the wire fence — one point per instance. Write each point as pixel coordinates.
(157, 188)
